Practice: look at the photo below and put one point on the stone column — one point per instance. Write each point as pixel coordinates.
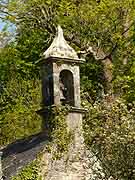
(1, 165)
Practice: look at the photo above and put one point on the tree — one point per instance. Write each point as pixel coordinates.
(103, 32)
(19, 97)
(102, 28)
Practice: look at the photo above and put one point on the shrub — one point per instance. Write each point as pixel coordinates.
(109, 130)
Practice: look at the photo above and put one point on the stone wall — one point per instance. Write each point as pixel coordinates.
(77, 164)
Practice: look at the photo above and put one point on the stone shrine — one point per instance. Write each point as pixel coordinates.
(60, 75)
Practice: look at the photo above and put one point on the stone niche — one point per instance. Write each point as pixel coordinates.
(60, 73)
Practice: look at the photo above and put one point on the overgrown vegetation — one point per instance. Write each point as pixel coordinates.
(19, 99)
(30, 172)
(110, 134)
(58, 130)
(103, 32)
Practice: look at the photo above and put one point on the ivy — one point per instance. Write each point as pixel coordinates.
(58, 131)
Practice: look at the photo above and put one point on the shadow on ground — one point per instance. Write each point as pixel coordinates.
(20, 153)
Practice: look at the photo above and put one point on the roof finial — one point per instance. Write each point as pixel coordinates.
(60, 48)
(59, 31)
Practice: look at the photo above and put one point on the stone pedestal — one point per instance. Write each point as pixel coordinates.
(76, 164)
(69, 167)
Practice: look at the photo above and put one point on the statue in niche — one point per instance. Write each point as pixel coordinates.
(63, 92)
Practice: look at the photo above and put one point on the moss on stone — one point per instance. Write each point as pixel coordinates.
(30, 171)
(58, 131)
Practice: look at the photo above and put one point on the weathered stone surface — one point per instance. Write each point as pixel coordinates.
(74, 69)
(78, 163)
(60, 48)
(60, 57)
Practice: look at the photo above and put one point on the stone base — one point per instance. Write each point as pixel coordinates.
(77, 164)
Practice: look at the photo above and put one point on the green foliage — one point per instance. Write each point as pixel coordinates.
(109, 130)
(60, 134)
(19, 97)
(30, 172)
(92, 79)
(31, 44)
(107, 26)
(19, 102)
(6, 59)
(124, 82)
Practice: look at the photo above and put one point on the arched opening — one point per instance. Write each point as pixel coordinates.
(66, 88)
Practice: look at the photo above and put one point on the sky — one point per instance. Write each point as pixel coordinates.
(1, 25)
(11, 28)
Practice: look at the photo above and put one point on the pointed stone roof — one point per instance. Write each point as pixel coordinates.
(60, 48)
